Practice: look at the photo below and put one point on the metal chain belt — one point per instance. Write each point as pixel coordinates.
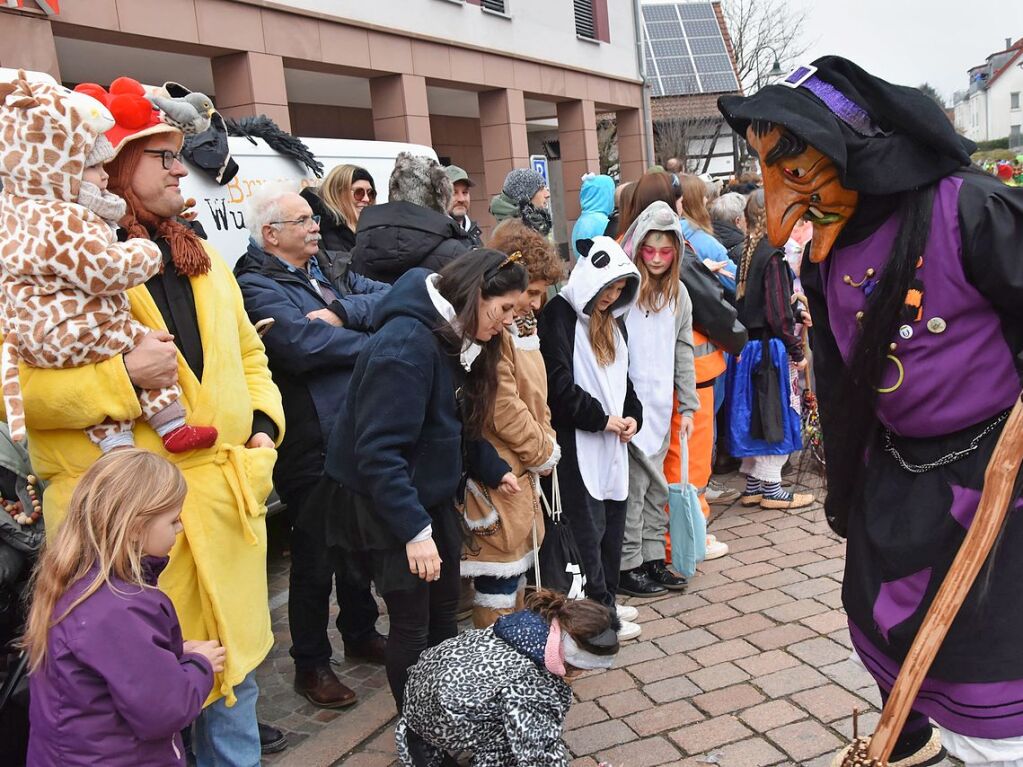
(945, 460)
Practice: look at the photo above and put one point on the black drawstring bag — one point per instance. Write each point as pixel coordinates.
(766, 420)
(560, 566)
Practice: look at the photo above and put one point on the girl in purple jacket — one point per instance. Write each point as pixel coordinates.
(111, 681)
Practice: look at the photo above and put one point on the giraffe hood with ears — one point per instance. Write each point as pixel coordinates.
(63, 275)
(49, 136)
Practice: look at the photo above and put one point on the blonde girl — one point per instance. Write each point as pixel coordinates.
(594, 409)
(111, 680)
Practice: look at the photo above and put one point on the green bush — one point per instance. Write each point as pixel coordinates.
(998, 143)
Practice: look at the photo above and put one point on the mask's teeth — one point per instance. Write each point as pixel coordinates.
(816, 213)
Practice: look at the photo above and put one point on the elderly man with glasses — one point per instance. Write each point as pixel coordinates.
(321, 321)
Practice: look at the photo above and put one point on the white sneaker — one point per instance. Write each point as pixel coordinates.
(715, 548)
(626, 612)
(629, 630)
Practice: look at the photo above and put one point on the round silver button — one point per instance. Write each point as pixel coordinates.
(906, 332)
(936, 325)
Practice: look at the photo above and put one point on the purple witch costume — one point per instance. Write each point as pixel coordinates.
(953, 358)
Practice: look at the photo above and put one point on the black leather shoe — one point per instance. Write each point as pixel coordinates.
(635, 583)
(271, 740)
(658, 572)
(371, 651)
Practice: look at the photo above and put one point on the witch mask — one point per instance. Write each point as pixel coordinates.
(800, 182)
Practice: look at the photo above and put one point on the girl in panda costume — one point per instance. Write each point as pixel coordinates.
(594, 409)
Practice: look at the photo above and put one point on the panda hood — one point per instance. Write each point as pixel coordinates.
(602, 262)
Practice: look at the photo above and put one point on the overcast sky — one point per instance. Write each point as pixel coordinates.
(912, 41)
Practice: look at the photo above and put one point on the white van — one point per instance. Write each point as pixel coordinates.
(221, 209)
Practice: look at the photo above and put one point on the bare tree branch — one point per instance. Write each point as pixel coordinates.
(763, 31)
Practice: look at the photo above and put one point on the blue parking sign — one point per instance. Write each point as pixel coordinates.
(538, 162)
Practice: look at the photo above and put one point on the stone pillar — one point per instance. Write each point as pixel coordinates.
(631, 144)
(577, 134)
(249, 84)
(400, 109)
(26, 42)
(503, 131)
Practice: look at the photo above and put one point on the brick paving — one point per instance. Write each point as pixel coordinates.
(749, 668)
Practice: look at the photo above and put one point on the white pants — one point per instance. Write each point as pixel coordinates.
(766, 468)
(975, 752)
(983, 752)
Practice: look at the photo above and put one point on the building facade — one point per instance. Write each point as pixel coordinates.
(472, 78)
(991, 108)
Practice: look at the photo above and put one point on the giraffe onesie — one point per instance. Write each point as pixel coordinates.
(63, 274)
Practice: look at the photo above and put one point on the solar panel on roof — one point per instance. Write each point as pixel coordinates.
(696, 10)
(716, 83)
(702, 46)
(663, 30)
(665, 48)
(660, 13)
(712, 64)
(675, 66)
(687, 57)
(702, 28)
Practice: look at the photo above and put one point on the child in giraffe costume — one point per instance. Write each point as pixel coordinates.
(63, 274)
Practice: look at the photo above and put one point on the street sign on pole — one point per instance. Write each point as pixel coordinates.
(538, 162)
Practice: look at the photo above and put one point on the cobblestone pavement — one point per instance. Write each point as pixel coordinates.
(748, 668)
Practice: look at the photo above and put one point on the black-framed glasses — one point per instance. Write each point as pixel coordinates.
(305, 221)
(166, 156)
(361, 194)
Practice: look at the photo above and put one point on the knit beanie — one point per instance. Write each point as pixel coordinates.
(522, 183)
(420, 181)
(361, 174)
(102, 152)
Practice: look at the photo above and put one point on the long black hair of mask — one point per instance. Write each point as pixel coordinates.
(480, 273)
(855, 425)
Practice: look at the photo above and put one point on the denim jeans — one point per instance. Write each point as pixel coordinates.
(229, 737)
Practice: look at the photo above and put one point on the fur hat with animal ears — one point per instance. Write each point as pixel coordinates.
(421, 181)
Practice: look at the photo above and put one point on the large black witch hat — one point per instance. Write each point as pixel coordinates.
(883, 138)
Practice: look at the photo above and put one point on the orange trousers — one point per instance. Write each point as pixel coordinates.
(701, 447)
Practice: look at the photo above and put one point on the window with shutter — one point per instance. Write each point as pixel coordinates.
(585, 23)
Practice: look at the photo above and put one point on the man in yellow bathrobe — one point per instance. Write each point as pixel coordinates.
(203, 341)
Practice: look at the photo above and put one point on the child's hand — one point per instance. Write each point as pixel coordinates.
(615, 424)
(628, 430)
(210, 650)
(509, 485)
(687, 427)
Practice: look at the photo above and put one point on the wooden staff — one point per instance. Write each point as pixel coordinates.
(999, 482)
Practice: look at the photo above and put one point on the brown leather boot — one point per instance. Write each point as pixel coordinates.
(321, 687)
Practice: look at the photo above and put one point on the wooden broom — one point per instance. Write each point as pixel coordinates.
(999, 482)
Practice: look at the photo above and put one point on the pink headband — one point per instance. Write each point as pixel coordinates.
(553, 656)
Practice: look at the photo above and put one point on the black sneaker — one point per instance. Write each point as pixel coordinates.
(659, 573)
(271, 740)
(636, 583)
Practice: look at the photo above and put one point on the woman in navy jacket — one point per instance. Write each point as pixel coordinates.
(408, 432)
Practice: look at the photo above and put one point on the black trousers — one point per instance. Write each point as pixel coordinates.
(599, 530)
(311, 581)
(421, 617)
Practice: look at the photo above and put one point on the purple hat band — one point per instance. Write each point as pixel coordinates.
(840, 105)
